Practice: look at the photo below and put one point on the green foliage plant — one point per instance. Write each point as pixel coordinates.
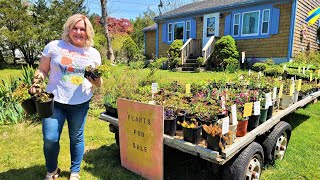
(269, 61)
(259, 66)
(130, 49)
(174, 53)
(160, 63)
(224, 48)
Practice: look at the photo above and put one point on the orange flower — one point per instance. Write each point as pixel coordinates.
(70, 69)
(66, 60)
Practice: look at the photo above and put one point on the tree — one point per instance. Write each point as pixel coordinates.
(104, 13)
(138, 24)
(13, 16)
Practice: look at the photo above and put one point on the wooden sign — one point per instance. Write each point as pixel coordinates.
(141, 138)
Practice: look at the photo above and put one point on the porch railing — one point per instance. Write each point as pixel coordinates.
(190, 47)
(208, 48)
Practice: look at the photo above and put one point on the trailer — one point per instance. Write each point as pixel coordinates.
(245, 158)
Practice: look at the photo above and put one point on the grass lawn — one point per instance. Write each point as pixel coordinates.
(22, 157)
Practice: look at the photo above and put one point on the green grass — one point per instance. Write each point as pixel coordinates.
(21, 155)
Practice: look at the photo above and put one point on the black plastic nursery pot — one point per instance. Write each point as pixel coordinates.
(192, 135)
(180, 118)
(170, 126)
(45, 109)
(92, 74)
(263, 115)
(111, 111)
(29, 106)
(253, 122)
(208, 123)
(270, 112)
(213, 143)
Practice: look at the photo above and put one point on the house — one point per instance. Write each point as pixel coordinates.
(262, 28)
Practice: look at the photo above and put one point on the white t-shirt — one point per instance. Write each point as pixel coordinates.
(67, 66)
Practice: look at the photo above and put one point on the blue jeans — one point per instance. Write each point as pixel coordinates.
(52, 128)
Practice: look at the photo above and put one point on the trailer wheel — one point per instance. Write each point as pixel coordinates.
(247, 165)
(275, 145)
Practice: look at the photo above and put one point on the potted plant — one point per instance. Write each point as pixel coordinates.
(110, 104)
(191, 131)
(242, 124)
(170, 121)
(21, 94)
(93, 72)
(43, 100)
(215, 140)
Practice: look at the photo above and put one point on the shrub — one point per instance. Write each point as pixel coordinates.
(231, 64)
(269, 61)
(224, 48)
(136, 64)
(161, 63)
(130, 49)
(260, 66)
(174, 53)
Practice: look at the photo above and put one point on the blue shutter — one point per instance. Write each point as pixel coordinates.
(227, 25)
(164, 32)
(275, 19)
(193, 30)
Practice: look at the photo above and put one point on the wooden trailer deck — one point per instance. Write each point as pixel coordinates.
(230, 150)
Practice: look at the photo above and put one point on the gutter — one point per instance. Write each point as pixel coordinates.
(216, 9)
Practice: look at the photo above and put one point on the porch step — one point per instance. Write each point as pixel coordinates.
(187, 69)
(191, 61)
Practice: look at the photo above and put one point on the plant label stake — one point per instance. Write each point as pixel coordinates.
(299, 69)
(310, 77)
(274, 94)
(247, 109)
(299, 85)
(249, 72)
(280, 91)
(188, 87)
(234, 114)
(243, 56)
(268, 100)
(154, 89)
(284, 67)
(304, 70)
(225, 125)
(256, 108)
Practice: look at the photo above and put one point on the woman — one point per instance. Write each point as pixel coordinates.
(66, 60)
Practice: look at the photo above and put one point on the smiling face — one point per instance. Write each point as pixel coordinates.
(78, 34)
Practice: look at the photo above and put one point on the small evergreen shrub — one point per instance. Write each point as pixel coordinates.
(174, 53)
(260, 66)
(161, 63)
(224, 48)
(269, 61)
(130, 49)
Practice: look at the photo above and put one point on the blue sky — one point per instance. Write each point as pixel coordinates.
(123, 8)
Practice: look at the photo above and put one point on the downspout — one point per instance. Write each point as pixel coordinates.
(292, 29)
(144, 41)
(157, 42)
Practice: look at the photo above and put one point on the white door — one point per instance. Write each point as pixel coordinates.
(210, 27)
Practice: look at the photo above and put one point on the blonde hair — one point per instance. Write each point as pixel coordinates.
(71, 22)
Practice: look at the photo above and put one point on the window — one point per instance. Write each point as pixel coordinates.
(170, 32)
(188, 27)
(250, 23)
(236, 24)
(178, 30)
(265, 21)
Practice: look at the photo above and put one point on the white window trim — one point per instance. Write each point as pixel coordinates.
(170, 31)
(265, 21)
(246, 35)
(188, 29)
(183, 35)
(234, 20)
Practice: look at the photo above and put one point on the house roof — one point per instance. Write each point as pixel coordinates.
(209, 6)
(152, 27)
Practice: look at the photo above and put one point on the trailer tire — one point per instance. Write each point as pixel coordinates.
(248, 164)
(275, 145)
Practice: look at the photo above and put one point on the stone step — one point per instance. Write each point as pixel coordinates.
(190, 65)
(188, 69)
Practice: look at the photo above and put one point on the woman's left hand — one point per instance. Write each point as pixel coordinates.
(97, 82)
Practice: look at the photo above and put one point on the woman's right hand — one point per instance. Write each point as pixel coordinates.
(34, 89)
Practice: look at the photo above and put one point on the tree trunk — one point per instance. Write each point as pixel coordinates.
(104, 13)
(14, 55)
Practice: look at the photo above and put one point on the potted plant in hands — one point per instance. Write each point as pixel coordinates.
(93, 72)
(43, 100)
(22, 95)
